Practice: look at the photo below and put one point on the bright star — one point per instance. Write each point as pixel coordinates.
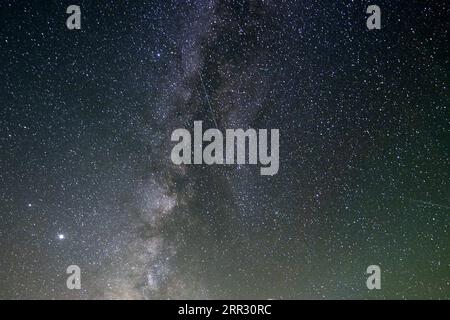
(61, 236)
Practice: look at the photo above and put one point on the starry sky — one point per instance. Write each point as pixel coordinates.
(86, 178)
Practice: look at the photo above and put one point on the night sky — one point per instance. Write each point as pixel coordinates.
(86, 177)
